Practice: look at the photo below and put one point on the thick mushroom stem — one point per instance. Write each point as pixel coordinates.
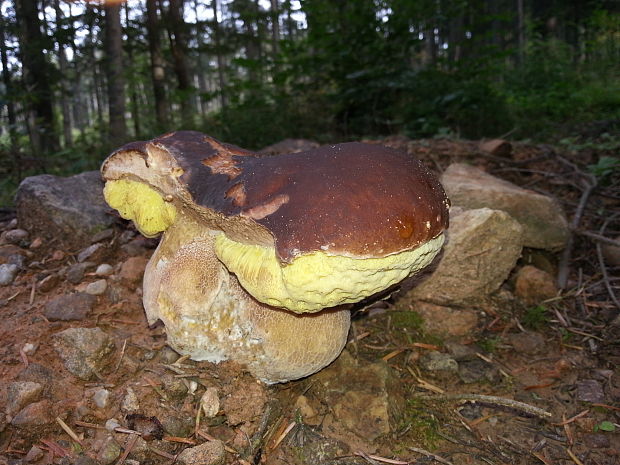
(209, 316)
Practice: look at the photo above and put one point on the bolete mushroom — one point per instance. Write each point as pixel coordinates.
(261, 256)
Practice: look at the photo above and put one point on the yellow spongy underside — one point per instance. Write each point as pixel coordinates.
(318, 280)
(140, 203)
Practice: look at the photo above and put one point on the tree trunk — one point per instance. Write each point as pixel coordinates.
(201, 69)
(36, 75)
(10, 105)
(117, 131)
(158, 74)
(133, 96)
(520, 32)
(275, 28)
(64, 84)
(178, 44)
(220, 58)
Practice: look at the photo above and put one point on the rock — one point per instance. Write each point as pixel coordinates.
(101, 398)
(104, 270)
(446, 321)
(69, 307)
(102, 235)
(8, 254)
(48, 283)
(180, 424)
(534, 285)
(173, 387)
(366, 400)
(112, 424)
(96, 287)
(544, 223)
(611, 253)
(289, 146)
(8, 272)
(477, 370)
(526, 343)
(482, 248)
(309, 447)
(437, 361)
(210, 402)
(86, 460)
(84, 351)
(130, 402)
(20, 394)
(35, 453)
(132, 270)
(209, 453)
(590, 390)
(76, 272)
(91, 252)
(35, 414)
(14, 236)
(68, 209)
(108, 450)
(497, 147)
(597, 441)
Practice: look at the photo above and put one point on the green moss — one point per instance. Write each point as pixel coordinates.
(406, 319)
(535, 317)
(419, 425)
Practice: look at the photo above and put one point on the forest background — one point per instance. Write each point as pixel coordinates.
(81, 78)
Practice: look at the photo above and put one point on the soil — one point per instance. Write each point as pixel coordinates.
(385, 400)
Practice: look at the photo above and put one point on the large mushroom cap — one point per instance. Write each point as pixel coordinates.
(302, 231)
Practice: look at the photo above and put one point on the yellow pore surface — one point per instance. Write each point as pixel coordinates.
(318, 280)
(140, 203)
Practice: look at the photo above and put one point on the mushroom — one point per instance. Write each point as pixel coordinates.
(262, 256)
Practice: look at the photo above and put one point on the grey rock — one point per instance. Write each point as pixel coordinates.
(90, 252)
(209, 453)
(84, 351)
(20, 394)
(544, 223)
(69, 209)
(178, 424)
(527, 343)
(103, 235)
(69, 307)
(15, 236)
(473, 371)
(109, 450)
(101, 398)
(35, 414)
(76, 272)
(482, 248)
(104, 270)
(590, 390)
(130, 402)
(8, 272)
(97, 287)
(35, 453)
(438, 361)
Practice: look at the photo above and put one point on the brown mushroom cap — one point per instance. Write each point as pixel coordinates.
(353, 199)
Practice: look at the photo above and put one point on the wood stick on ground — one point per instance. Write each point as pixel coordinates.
(573, 457)
(376, 458)
(515, 404)
(69, 431)
(601, 261)
(435, 457)
(130, 445)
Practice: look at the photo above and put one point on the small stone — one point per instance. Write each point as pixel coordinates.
(109, 450)
(438, 361)
(597, 441)
(473, 371)
(20, 394)
(35, 414)
(534, 285)
(446, 321)
(305, 409)
(208, 453)
(168, 355)
(48, 283)
(103, 235)
(90, 252)
(84, 351)
(8, 271)
(527, 343)
(58, 255)
(611, 253)
(69, 307)
(101, 398)
(590, 390)
(30, 348)
(174, 387)
(112, 424)
(130, 402)
(19, 260)
(104, 270)
(178, 424)
(15, 236)
(76, 272)
(132, 270)
(7, 253)
(210, 402)
(36, 243)
(97, 287)
(35, 453)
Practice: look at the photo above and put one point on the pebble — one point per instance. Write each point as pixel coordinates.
(35, 453)
(35, 414)
(84, 351)
(611, 253)
(15, 236)
(103, 235)
(527, 342)
(590, 390)
(104, 269)
(438, 361)
(210, 402)
(132, 270)
(109, 450)
(130, 402)
(97, 287)
(534, 285)
(20, 394)
(8, 271)
(69, 307)
(48, 283)
(112, 424)
(30, 348)
(101, 398)
(76, 272)
(36, 243)
(89, 252)
(209, 453)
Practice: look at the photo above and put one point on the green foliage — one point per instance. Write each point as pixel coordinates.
(489, 344)
(535, 317)
(420, 425)
(606, 426)
(605, 167)
(406, 319)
